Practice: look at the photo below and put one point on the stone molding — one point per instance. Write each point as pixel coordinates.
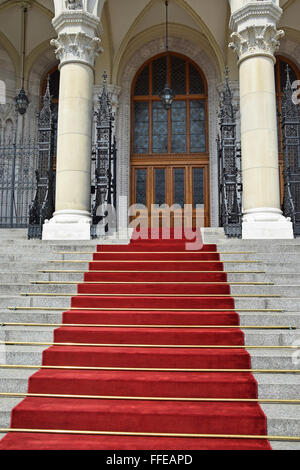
(255, 13)
(76, 47)
(256, 40)
(74, 19)
(77, 37)
(255, 31)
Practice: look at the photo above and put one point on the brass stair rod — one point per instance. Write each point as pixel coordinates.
(159, 346)
(151, 261)
(126, 309)
(114, 294)
(107, 325)
(140, 398)
(229, 283)
(148, 369)
(151, 434)
(105, 271)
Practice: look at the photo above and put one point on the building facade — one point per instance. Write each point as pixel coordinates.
(164, 156)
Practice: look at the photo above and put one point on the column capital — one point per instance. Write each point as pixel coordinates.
(255, 30)
(77, 39)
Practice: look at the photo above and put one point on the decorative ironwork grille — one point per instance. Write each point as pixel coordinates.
(18, 162)
(105, 151)
(42, 207)
(230, 179)
(291, 152)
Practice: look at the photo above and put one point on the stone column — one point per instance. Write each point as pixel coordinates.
(255, 40)
(76, 48)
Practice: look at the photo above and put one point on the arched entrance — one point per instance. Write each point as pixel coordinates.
(169, 149)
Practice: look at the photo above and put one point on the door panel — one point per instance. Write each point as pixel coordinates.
(173, 184)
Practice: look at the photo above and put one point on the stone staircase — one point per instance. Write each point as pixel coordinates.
(269, 269)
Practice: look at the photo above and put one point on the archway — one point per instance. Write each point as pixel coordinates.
(169, 149)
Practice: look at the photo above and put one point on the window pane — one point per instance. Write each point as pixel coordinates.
(179, 186)
(178, 113)
(196, 82)
(141, 186)
(159, 128)
(141, 127)
(142, 83)
(178, 74)
(198, 186)
(159, 75)
(160, 186)
(198, 126)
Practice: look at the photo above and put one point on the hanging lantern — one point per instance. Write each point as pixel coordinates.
(22, 102)
(167, 95)
(21, 99)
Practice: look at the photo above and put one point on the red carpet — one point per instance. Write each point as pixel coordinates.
(136, 273)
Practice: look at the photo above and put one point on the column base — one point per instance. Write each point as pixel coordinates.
(266, 224)
(68, 225)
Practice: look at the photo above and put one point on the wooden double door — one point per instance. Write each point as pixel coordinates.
(169, 147)
(172, 183)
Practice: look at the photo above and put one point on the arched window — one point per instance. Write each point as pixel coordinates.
(182, 129)
(169, 148)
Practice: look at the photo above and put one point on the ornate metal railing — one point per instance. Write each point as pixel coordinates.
(105, 156)
(42, 207)
(291, 151)
(18, 160)
(229, 158)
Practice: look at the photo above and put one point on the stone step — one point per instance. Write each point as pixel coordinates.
(283, 290)
(260, 358)
(274, 359)
(285, 445)
(30, 316)
(272, 338)
(285, 304)
(13, 289)
(23, 355)
(35, 266)
(246, 318)
(27, 277)
(15, 380)
(278, 386)
(38, 301)
(270, 319)
(282, 278)
(6, 405)
(282, 420)
(42, 257)
(281, 268)
(252, 337)
(26, 333)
